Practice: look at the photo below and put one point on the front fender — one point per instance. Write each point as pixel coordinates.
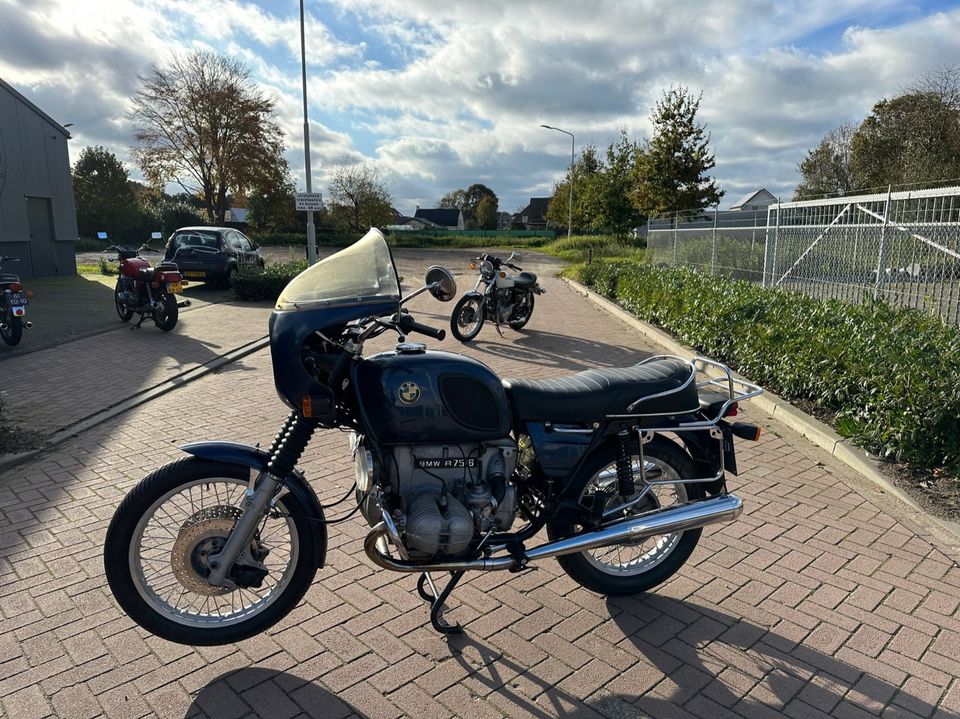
(257, 459)
(474, 293)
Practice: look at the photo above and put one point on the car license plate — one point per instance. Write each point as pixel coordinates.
(195, 274)
(17, 298)
(174, 287)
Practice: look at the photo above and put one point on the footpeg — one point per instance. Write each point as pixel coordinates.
(183, 303)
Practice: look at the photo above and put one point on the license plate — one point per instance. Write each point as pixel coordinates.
(174, 287)
(194, 274)
(17, 298)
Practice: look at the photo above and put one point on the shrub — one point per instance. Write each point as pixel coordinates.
(890, 375)
(256, 285)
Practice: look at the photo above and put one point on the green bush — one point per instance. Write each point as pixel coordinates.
(890, 376)
(256, 285)
(580, 248)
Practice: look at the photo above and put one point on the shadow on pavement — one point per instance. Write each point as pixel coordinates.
(268, 693)
(562, 352)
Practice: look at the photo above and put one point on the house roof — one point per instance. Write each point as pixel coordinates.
(444, 216)
(537, 207)
(17, 94)
(753, 195)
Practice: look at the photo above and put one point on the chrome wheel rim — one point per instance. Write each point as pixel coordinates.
(201, 511)
(642, 556)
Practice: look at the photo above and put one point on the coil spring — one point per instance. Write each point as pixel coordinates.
(625, 482)
(286, 450)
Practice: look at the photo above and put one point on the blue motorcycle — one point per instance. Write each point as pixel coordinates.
(456, 470)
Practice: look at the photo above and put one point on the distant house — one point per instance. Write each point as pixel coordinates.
(503, 220)
(446, 218)
(534, 215)
(754, 201)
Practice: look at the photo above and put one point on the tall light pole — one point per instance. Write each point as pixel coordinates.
(311, 230)
(570, 202)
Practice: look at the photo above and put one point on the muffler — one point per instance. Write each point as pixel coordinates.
(28, 325)
(691, 515)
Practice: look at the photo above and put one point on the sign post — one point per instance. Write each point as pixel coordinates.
(309, 201)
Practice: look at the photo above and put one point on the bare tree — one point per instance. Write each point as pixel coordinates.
(204, 124)
(944, 82)
(827, 169)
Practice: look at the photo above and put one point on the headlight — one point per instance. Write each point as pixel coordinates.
(486, 269)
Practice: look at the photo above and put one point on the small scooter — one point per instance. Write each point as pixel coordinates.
(13, 306)
(146, 290)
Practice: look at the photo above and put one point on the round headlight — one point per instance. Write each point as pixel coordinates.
(486, 268)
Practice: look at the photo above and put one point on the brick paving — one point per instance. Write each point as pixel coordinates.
(823, 599)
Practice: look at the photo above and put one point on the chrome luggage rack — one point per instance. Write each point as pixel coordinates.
(737, 390)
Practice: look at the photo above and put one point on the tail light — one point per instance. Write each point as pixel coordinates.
(732, 410)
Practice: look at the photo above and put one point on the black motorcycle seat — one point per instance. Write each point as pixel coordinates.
(589, 396)
(524, 279)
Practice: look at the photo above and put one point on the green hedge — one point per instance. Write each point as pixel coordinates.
(255, 285)
(891, 376)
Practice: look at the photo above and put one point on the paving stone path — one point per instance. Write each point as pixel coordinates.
(824, 599)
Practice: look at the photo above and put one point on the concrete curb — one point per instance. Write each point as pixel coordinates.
(135, 400)
(813, 429)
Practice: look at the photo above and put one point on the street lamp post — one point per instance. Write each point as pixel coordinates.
(311, 230)
(570, 202)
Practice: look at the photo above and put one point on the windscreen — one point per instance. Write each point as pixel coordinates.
(363, 272)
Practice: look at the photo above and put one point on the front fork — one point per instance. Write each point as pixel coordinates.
(284, 452)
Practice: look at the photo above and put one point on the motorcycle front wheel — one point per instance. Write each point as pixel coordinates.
(523, 313)
(467, 318)
(637, 566)
(157, 544)
(124, 312)
(14, 331)
(166, 317)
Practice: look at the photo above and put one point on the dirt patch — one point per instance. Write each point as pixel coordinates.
(16, 439)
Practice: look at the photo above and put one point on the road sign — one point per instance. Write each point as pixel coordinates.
(309, 201)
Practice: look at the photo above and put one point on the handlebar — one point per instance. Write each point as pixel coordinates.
(407, 324)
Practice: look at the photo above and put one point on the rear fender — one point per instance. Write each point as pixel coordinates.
(257, 459)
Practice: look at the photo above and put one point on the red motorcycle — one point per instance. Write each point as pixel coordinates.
(146, 290)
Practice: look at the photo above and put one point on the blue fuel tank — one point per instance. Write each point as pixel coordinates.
(431, 397)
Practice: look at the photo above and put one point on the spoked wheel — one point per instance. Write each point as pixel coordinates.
(166, 317)
(636, 566)
(158, 545)
(522, 312)
(123, 311)
(14, 329)
(467, 318)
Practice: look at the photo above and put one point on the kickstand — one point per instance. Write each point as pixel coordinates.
(428, 592)
(137, 326)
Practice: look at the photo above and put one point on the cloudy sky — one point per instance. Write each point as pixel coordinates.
(440, 95)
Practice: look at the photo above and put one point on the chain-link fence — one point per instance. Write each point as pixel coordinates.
(900, 246)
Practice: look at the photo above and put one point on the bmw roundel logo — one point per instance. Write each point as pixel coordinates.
(409, 392)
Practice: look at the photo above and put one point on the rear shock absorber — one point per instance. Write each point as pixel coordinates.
(625, 483)
(286, 449)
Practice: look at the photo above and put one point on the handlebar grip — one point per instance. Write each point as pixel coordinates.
(407, 324)
(514, 267)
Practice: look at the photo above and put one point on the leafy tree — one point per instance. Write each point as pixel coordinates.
(204, 124)
(586, 187)
(487, 213)
(359, 198)
(913, 138)
(468, 201)
(672, 171)
(615, 212)
(827, 170)
(104, 198)
(274, 209)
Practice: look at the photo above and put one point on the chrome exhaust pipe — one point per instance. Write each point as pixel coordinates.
(28, 325)
(692, 515)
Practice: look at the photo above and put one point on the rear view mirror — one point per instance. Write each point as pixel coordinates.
(441, 283)
(156, 236)
(518, 257)
(101, 235)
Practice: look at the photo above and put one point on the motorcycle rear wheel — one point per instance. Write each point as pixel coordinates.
(467, 318)
(522, 319)
(632, 568)
(166, 318)
(14, 332)
(156, 544)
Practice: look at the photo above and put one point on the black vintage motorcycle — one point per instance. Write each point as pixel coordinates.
(456, 470)
(498, 296)
(13, 306)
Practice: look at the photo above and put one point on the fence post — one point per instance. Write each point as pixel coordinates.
(676, 221)
(882, 255)
(764, 281)
(713, 252)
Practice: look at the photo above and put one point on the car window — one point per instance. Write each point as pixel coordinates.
(235, 240)
(195, 239)
(245, 241)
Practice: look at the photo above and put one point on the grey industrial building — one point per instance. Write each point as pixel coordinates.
(38, 222)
